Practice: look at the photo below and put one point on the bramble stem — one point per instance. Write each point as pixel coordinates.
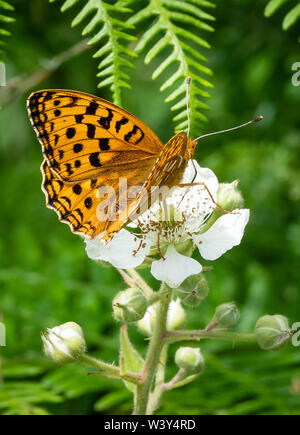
(109, 370)
(174, 336)
(140, 282)
(143, 390)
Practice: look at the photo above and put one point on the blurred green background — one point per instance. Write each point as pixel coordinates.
(46, 278)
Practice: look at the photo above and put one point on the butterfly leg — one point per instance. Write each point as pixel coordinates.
(201, 183)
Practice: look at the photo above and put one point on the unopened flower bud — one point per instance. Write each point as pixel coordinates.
(272, 332)
(190, 359)
(193, 290)
(64, 343)
(175, 318)
(229, 197)
(176, 315)
(227, 315)
(130, 305)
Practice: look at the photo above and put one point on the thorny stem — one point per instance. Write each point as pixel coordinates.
(109, 370)
(155, 396)
(20, 85)
(140, 282)
(174, 336)
(153, 355)
(161, 388)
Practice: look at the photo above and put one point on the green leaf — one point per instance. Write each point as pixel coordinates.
(5, 19)
(178, 25)
(272, 7)
(130, 359)
(104, 23)
(291, 18)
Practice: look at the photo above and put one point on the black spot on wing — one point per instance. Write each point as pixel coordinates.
(77, 147)
(91, 109)
(49, 96)
(91, 129)
(94, 160)
(88, 202)
(104, 144)
(78, 118)
(119, 124)
(69, 168)
(77, 189)
(71, 131)
(130, 136)
(105, 121)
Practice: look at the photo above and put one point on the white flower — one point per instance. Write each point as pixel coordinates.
(173, 227)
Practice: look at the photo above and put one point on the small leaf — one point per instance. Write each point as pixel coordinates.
(130, 359)
(272, 7)
(291, 18)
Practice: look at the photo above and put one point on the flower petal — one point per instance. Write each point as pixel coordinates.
(225, 233)
(175, 268)
(119, 251)
(204, 175)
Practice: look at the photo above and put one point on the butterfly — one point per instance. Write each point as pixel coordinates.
(88, 143)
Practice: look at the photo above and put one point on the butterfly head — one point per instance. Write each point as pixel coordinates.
(191, 145)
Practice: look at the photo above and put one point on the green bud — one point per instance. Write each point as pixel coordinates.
(190, 359)
(193, 290)
(227, 315)
(229, 197)
(64, 343)
(130, 305)
(272, 332)
(175, 318)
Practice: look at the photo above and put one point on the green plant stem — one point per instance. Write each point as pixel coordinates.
(153, 354)
(20, 85)
(174, 336)
(110, 370)
(155, 396)
(140, 282)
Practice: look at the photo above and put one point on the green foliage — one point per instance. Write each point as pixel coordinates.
(5, 8)
(168, 30)
(46, 278)
(290, 18)
(165, 37)
(113, 34)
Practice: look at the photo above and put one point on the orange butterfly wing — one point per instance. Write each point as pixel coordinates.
(87, 143)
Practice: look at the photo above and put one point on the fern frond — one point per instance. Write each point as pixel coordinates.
(106, 27)
(290, 18)
(5, 8)
(177, 26)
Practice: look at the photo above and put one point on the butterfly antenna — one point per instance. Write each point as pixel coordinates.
(188, 85)
(260, 118)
